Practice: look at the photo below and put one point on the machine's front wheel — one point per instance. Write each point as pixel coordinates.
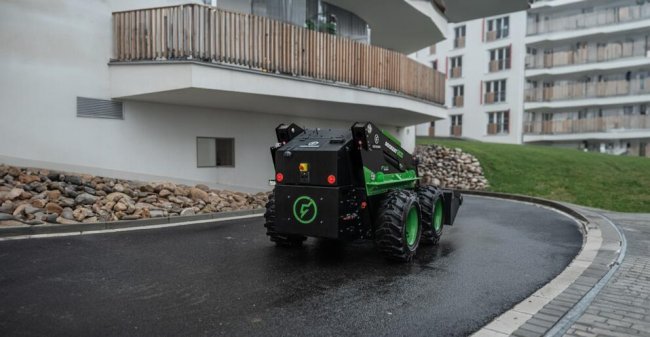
(287, 240)
(431, 204)
(398, 229)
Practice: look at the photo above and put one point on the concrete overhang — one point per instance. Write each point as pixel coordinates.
(465, 10)
(402, 25)
(239, 89)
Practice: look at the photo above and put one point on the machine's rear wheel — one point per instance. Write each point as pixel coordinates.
(398, 228)
(287, 240)
(431, 204)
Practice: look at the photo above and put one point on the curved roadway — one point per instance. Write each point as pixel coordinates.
(227, 279)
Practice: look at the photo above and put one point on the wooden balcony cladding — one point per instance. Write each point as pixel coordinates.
(206, 34)
(456, 130)
(590, 53)
(490, 97)
(459, 42)
(456, 72)
(459, 101)
(492, 129)
(581, 90)
(491, 36)
(601, 124)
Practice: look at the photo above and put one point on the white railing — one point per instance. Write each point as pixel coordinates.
(592, 53)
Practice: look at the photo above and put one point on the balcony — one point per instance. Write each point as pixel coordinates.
(598, 18)
(499, 65)
(458, 101)
(456, 131)
(459, 42)
(589, 55)
(612, 124)
(494, 97)
(456, 72)
(581, 90)
(204, 56)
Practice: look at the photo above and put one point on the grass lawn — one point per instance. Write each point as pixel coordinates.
(590, 179)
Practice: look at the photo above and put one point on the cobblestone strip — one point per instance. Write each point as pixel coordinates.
(623, 307)
(596, 268)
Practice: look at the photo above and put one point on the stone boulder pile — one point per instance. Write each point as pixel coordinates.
(36, 196)
(450, 168)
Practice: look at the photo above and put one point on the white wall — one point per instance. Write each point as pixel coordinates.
(53, 52)
(475, 69)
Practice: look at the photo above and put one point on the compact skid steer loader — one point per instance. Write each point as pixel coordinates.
(350, 185)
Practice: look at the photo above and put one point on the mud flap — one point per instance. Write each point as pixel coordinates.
(452, 201)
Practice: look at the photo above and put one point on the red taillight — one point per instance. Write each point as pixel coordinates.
(364, 205)
(331, 179)
(279, 177)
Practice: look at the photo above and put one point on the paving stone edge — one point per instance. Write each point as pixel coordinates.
(543, 320)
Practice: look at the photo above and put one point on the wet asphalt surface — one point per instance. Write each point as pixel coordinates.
(227, 279)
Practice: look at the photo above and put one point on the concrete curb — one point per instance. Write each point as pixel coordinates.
(544, 310)
(7, 232)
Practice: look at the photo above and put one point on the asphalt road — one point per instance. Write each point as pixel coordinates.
(228, 279)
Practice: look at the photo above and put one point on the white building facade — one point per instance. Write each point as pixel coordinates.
(191, 91)
(483, 61)
(588, 76)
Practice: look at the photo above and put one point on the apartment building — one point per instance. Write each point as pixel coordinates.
(191, 91)
(483, 61)
(588, 76)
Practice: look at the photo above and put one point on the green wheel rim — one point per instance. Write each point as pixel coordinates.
(437, 216)
(412, 226)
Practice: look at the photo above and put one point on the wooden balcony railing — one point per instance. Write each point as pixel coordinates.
(581, 90)
(592, 53)
(459, 42)
(207, 34)
(602, 124)
(597, 18)
(459, 101)
(456, 72)
(456, 130)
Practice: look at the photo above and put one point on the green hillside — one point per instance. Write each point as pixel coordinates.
(590, 179)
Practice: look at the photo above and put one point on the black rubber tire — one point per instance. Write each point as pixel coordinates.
(390, 232)
(428, 197)
(284, 240)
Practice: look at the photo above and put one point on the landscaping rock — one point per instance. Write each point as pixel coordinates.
(85, 199)
(450, 168)
(197, 194)
(30, 196)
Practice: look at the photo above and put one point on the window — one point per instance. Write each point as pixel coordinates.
(213, 152)
(456, 66)
(628, 110)
(498, 122)
(642, 109)
(458, 92)
(456, 128)
(495, 91)
(499, 59)
(459, 37)
(531, 57)
(498, 28)
(459, 31)
(434, 64)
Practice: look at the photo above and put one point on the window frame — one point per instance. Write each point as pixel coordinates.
(502, 121)
(500, 25)
(492, 86)
(216, 148)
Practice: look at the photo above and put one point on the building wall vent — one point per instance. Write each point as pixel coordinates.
(99, 108)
